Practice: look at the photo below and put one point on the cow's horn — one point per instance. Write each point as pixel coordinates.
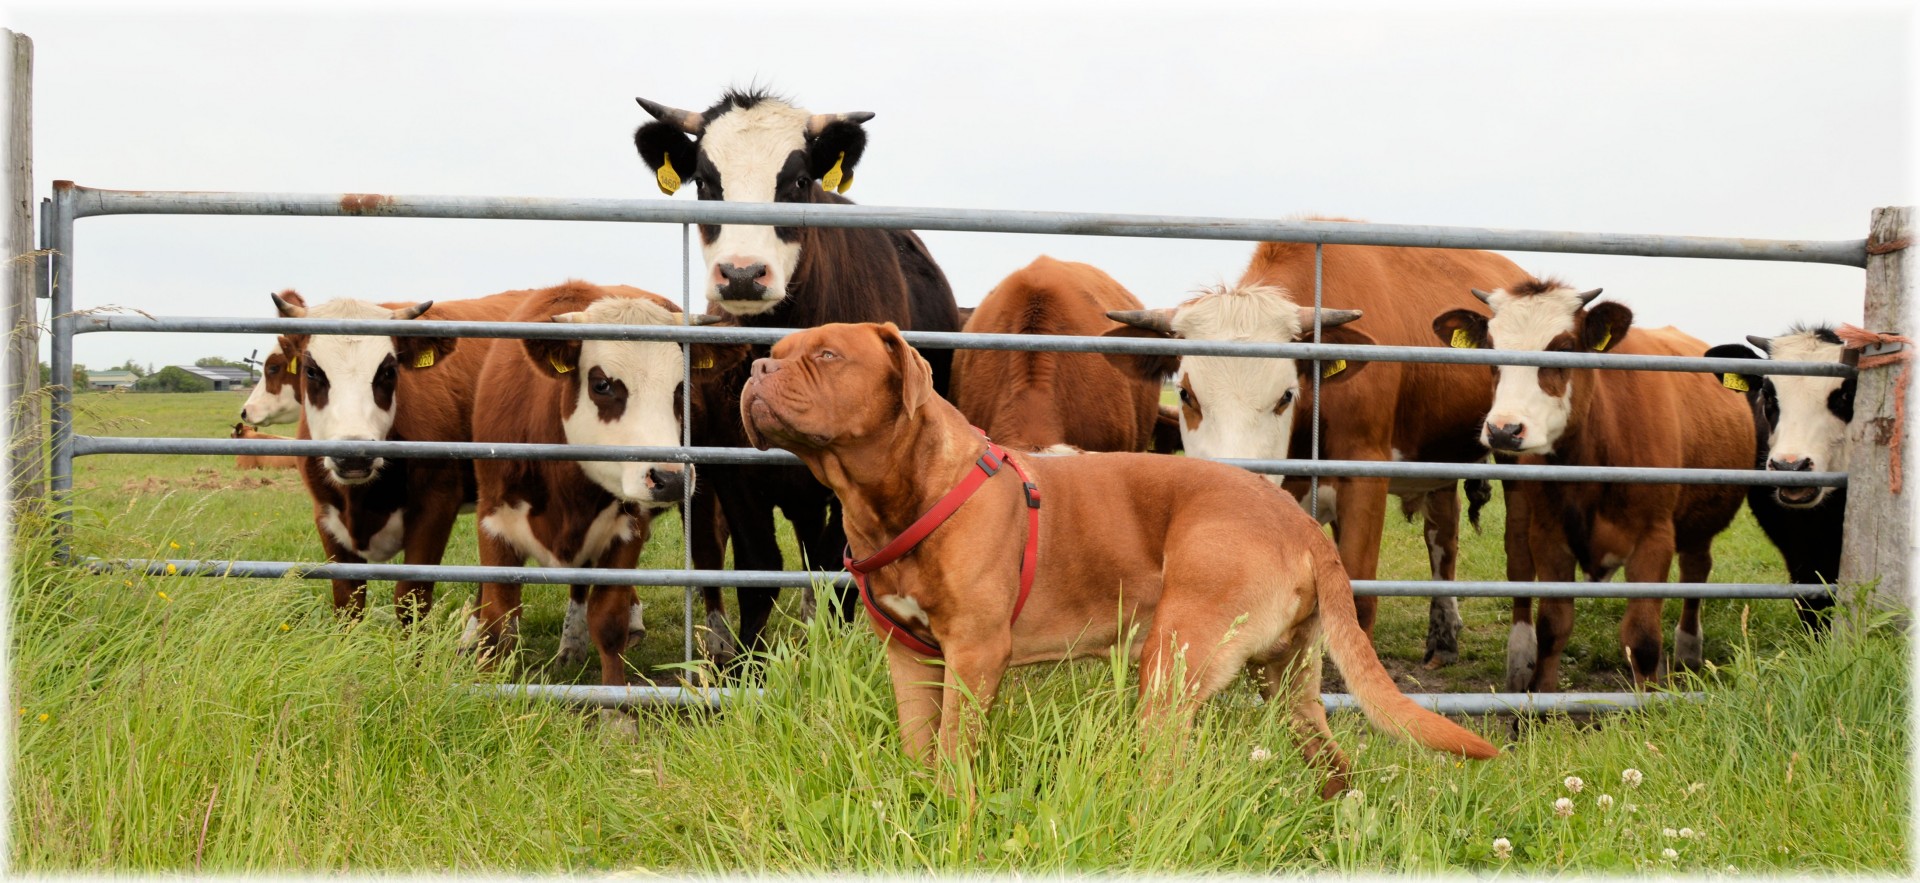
(1486, 297)
(705, 319)
(1586, 297)
(818, 122)
(1764, 344)
(1328, 318)
(688, 121)
(1151, 320)
(288, 310)
(413, 312)
(570, 317)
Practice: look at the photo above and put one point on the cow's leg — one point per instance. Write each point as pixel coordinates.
(1553, 562)
(1813, 610)
(614, 620)
(1650, 561)
(575, 641)
(822, 547)
(1293, 678)
(428, 525)
(1523, 643)
(755, 547)
(349, 595)
(1696, 565)
(1440, 511)
(707, 530)
(1361, 516)
(495, 621)
(809, 522)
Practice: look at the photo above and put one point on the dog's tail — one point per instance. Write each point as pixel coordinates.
(1389, 709)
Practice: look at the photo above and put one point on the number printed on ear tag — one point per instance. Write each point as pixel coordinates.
(424, 359)
(1462, 340)
(1734, 382)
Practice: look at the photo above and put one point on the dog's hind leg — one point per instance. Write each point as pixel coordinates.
(1292, 679)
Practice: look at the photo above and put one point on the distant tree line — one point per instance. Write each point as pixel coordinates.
(169, 379)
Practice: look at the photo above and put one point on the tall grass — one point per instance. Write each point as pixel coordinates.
(215, 725)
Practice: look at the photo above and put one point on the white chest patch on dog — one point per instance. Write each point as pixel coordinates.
(904, 608)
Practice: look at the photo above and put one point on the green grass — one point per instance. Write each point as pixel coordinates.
(234, 725)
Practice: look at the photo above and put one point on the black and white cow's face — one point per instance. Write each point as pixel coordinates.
(349, 381)
(1233, 406)
(1806, 417)
(621, 393)
(1532, 407)
(751, 147)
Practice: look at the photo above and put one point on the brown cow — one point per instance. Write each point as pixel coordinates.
(1205, 570)
(276, 397)
(1034, 400)
(564, 513)
(365, 388)
(261, 461)
(1245, 408)
(1590, 417)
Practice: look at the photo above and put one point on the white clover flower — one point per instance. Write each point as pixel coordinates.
(1630, 807)
(1670, 854)
(1605, 801)
(1357, 796)
(1669, 833)
(1563, 807)
(1575, 783)
(1631, 777)
(1686, 833)
(1502, 848)
(1260, 755)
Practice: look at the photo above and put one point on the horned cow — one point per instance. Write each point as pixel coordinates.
(1592, 417)
(1800, 425)
(276, 397)
(754, 147)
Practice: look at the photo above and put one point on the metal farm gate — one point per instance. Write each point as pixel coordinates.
(70, 203)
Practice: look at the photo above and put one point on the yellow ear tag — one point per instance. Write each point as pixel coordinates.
(845, 184)
(1734, 382)
(1333, 368)
(559, 367)
(424, 359)
(293, 365)
(832, 179)
(1462, 340)
(668, 179)
(1601, 347)
(704, 360)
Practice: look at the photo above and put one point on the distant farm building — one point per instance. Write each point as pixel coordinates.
(223, 379)
(114, 379)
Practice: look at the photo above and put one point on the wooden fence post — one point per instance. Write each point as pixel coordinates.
(25, 457)
(1879, 535)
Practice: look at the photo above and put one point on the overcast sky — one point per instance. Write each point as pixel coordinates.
(1789, 122)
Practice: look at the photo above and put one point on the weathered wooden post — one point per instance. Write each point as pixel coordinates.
(1879, 535)
(22, 411)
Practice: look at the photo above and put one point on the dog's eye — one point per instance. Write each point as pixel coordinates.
(826, 355)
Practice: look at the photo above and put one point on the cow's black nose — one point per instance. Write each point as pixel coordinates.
(1791, 464)
(353, 466)
(668, 484)
(741, 283)
(1505, 437)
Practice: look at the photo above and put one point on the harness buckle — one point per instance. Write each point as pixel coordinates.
(1033, 495)
(990, 464)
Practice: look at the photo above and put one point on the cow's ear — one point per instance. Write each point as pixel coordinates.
(554, 358)
(966, 315)
(1606, 325)
(834, 152)
(1155, 368)
(1748, 384)
(669, 152)
(423, 352)
(1334, 370)
(1461, 329)
(1166, 431)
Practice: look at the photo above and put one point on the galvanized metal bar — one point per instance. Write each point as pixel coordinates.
(1444, 703)
(89, 445)
(60, 406)
(769, 579)
(1313, 484)
(148, 202)
(960, 340)
(686, 441)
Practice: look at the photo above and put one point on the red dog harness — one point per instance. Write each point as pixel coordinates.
(987, 467)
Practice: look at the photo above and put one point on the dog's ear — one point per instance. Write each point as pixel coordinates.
(916, 376)
(746, 422)
(1336, 370)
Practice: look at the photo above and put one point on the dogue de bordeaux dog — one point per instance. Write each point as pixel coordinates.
(1200, 562)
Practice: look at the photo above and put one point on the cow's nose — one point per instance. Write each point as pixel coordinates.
(667, 484)
(740, 282)
(763, 367)
(1505, 437)
(353, 465)
(1790, 464)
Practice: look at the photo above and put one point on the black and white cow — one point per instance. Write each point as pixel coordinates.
(1801, 424)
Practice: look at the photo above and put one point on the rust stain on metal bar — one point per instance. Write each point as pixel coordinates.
(365, 203)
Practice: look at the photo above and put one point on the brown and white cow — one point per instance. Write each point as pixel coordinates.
(1035, 400)
(1256, 408)
(276, 397)
(261, 461)
(751, 146)
(564, 513)
(356, 387)
(1591, 417)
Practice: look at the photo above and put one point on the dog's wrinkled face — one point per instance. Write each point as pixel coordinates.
(833, 384)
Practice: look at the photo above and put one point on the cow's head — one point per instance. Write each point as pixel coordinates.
(348, 381)
(1532, 407)
(621, 393)
(276, 398)
(1235, 406)
(751, 147)
(1805, 418)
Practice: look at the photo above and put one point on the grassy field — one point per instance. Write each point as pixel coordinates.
(233, 725)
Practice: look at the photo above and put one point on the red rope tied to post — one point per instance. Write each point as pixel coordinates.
(1857, 339)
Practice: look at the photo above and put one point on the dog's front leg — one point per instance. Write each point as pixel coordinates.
(917, 685)
(974, 669)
